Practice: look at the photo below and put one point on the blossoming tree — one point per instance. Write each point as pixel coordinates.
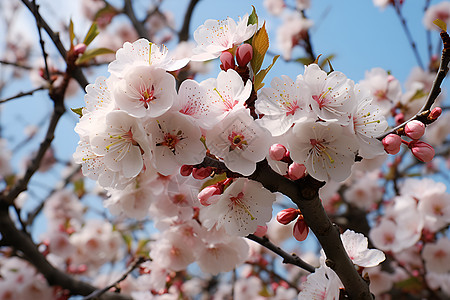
(188, 188)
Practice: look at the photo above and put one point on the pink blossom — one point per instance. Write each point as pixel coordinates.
(277, 152)
(244, 54)
(287, 215)
(296, 171)
(227, 60)
(392, 143)
(415, 129)
(421, 150)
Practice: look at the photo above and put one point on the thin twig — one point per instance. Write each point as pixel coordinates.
(434, 92)
(287, 258)
(408, 33)
(37, 16)
(15, 64)
(272, 273)
(22, 94)
(98, 293)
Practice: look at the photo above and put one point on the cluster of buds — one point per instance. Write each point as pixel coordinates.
(279, 153)
(301, 229)
(414, 130)
(244, 54)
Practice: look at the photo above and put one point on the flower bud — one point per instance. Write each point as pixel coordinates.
(392, 143)
(287, 215)
(205, 194)
(227, 60)
(261, 231)
(422, 151)
(244, 54)
(300, 230)
(186, 170)
(435, 113)
(414, 129)
(399, 118)
(201, 173)
(79, 49)
(277, 152)
(296, 171)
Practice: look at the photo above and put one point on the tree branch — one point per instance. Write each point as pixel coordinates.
(76, 73)
(304, 193)
(287, 258)
(22, 94)
(23, 243)
(183, 35)
(423, 113)
(128, 10)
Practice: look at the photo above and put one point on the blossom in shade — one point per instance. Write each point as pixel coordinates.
(239, 141)
(282, 104)
(121, 142)
(243, 206)
(325, 151)
(145, 91)
(215, 36)
(437, 255)
(175, 141)
(368, 123)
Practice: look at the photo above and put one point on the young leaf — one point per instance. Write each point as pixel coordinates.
(78, 111)
(89, 54)
(304, 60)
(260, 45)
(262, 74)
(71, 33)
(253, 18)
(92, 33)
(441, 24)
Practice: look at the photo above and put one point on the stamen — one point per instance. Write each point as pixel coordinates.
(237, 200)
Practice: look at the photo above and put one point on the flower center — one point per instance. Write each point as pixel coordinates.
(237, 141)
(147, 95)
(323, 99)
(238, 202)
(320, 148)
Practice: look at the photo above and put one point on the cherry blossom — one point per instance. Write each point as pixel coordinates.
(332, 95)
(175, 141)
(437, 256)
(239, 141)
(145, 91)
(243, 206)
(121, 141)
(356, 246)
(143, 53)
(215, 36)
(283, 104)
(323, 148)
(323, 284)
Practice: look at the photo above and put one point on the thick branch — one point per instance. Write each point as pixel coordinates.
(21, 242)
(304, 193)
(287, 258)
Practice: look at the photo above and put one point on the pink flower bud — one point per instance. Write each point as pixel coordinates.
(300, 230)
(244, 54)
(435, 113)
(422, 151)
(186, 170)
(261, 231)
(392, 143)
(201, 173)
(399, 118)
(287, 215)
(390, 78)
(227, 60)
(414, 129)
(79, 49)
(277, 152)
(296, 171)
(205, 194)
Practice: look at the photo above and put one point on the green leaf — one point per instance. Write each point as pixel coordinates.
(217, 178)
(260, 44)
(92, 33)
(78, 111)
(262, 74)
(327, 59)
(71, 33)
(441, 24)
(108, 11)
(253, 18)
(304, 60)
(89, 54)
